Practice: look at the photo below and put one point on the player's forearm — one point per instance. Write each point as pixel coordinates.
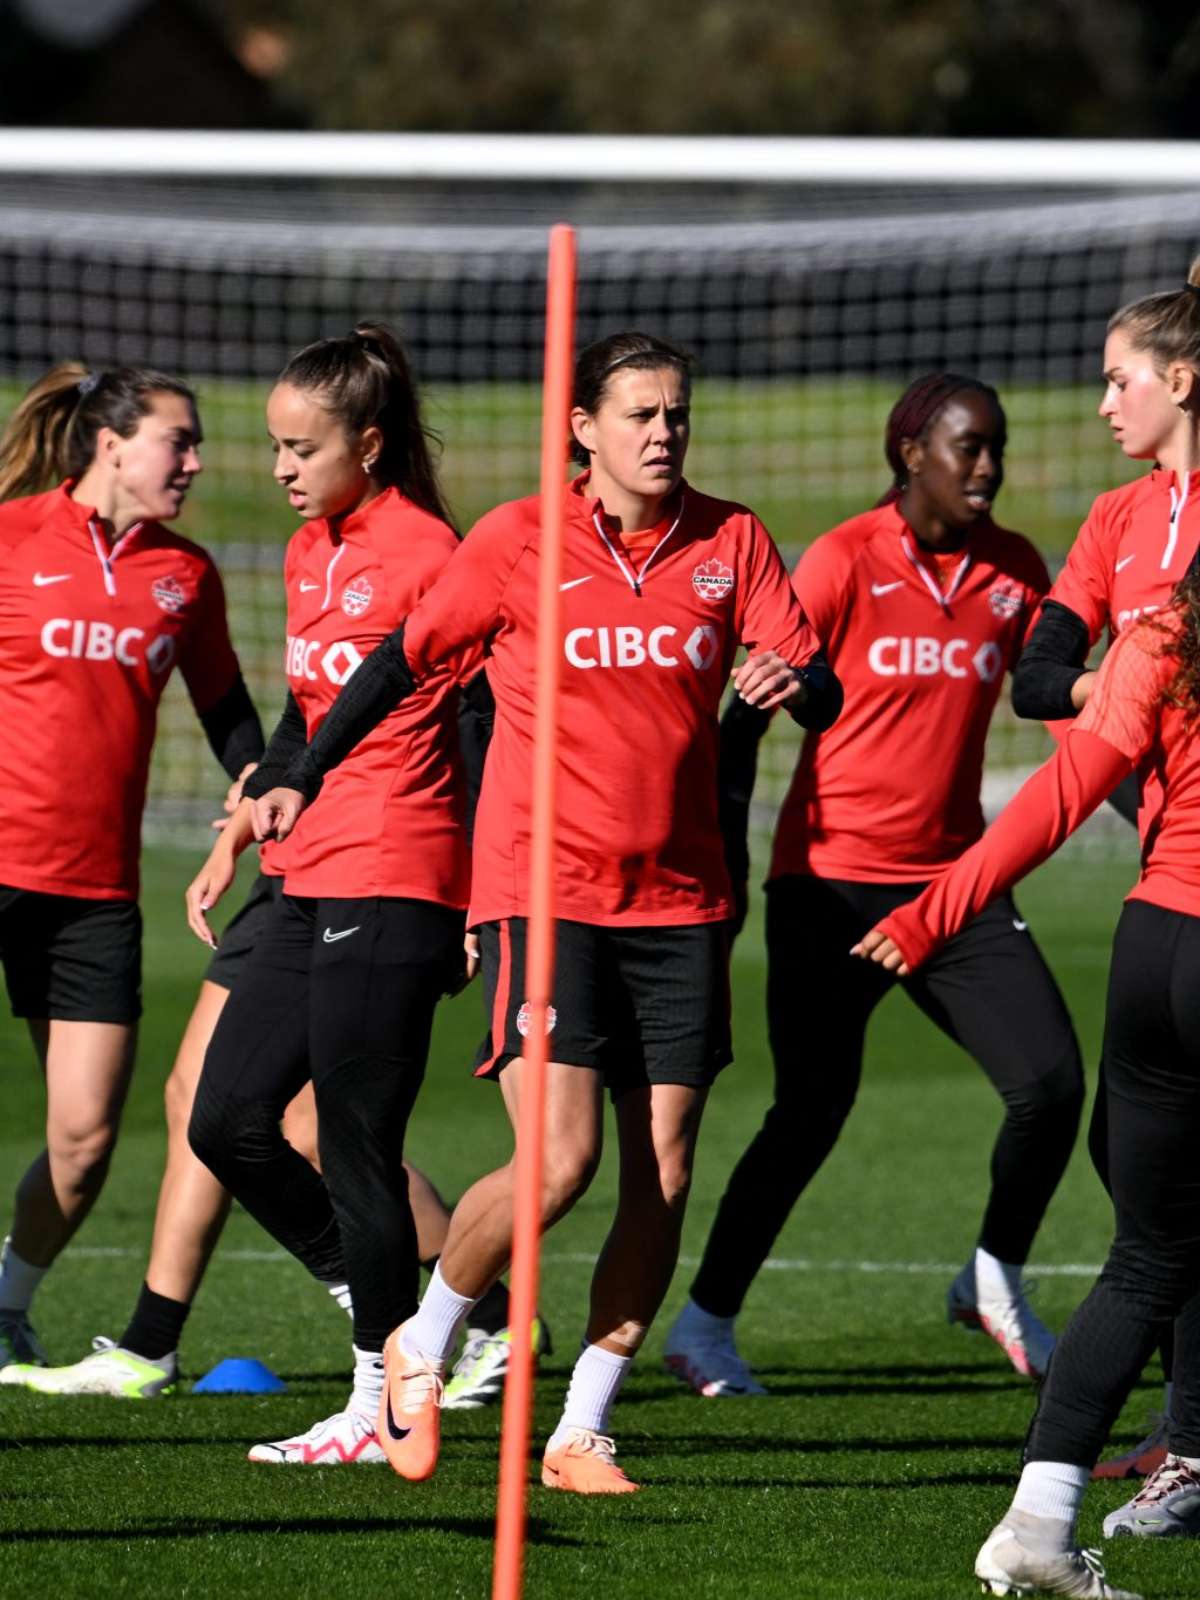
(375, 688)
(233, 728)
(287, 741)
(1049, 678)
(823, 696)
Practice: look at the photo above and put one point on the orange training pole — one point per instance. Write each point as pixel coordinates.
(539, 971)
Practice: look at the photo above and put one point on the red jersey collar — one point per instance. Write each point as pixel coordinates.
(358, 520)
(911, 549)
(1164, 480)
(633, 566)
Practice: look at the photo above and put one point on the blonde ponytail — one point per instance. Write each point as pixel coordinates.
(34, 444)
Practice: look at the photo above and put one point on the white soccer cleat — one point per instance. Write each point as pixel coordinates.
(1011, 1321)
(109, 1370)
(1005, 1566)
(479, 1373)
(345, 1439)
(19, 1345)
(1167, 1506)
(708, 1363)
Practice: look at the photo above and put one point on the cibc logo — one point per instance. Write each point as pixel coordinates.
(923, 657)
(631, 647)
(99, 641)
(303, 657)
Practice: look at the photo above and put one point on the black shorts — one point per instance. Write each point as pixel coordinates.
(640, 1005)
(69, 959)
(243, 931)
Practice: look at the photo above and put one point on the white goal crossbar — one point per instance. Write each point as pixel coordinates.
(1139, 164)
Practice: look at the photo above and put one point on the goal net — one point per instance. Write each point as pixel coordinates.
(807, 305)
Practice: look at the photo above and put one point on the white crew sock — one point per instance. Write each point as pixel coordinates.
(597, 1377)
(18, 1280)
(996, 1279)
(1052, 1489)
(693, 1322)
(368, 1383)
(432, 1331)
(340, 1294)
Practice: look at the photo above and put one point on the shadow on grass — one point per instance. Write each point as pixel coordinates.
(940, 1480)
(703, 1444)
(816, 1388)
(483, 1528)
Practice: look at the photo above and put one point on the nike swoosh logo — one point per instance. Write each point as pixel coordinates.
(1019, 925)
(886, 588)
(573, 583)
(1123, 563)
(332, 938)
(40, 579)
(393, 1430)
(305, 587)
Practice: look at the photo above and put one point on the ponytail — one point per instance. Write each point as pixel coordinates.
(364, 380)
(1165, 325)
(52, 433)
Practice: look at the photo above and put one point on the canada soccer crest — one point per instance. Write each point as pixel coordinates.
(712, 580)
(526, 1012)
(356, 597)
(168, 594)
(1005, 599)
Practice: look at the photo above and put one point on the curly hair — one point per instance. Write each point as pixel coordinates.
(1184, 644)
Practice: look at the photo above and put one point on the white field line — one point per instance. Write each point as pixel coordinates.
(917, 1269)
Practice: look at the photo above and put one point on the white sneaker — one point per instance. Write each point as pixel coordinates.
(708, 1363)
(345, 1439)
(1167, 1506)
(1011, 1322)
(19, 1345)
(108, 1370)
(1006, 1566)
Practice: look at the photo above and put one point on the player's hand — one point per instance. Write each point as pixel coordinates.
(471, 951)
(1081, 689)
(766, 680)
(466, 967)
(205, 890)
(233, 796)
(276, 813)
(877, 947)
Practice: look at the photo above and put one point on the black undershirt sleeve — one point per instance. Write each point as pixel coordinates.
(1054, 656)
(824, 703)
(476, 720)
(377, 687)
(233, 729)
(288, 739)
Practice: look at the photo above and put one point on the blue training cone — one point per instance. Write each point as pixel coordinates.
(240, 1375)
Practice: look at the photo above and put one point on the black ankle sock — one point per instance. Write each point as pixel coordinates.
(155, 1326)
(491, 1313)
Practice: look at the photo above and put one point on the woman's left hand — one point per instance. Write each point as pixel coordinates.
(877, 947)
(766, 680)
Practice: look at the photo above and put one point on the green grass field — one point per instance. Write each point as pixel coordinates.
(885, 1452)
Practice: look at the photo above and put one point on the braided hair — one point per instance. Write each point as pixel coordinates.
(914, 414)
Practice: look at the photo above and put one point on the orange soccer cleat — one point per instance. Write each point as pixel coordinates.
(586, 1464)
(410, 1410)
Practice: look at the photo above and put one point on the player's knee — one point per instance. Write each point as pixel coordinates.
(566, 1176)
(1058, 1093)
(817, 1118)
(225, 1133)
(80, 1157)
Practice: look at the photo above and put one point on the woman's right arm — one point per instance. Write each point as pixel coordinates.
(1051, 679)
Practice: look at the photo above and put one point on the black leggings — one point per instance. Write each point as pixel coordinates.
(343, 991)
(1152, 1274)
(989, 989)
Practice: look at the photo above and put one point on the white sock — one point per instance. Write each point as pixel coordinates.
(432, 1331)
(1052, 1489)
(996, 1279)
(368, 1383)
(18, 1280)
(597, 1377)
(696, 1323)
(340, 1294)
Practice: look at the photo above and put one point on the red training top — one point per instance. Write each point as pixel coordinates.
(650, 629)
(1127, 724)
(88, 636)
(890, 793)
(389, 819)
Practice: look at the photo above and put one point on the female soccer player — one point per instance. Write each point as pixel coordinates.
(1135, 546)
(98, 602)
(368, 934)
(922, 604)
(1140, 717)
(660, 585)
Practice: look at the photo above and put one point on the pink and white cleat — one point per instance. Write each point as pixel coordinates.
(1011, 1321)
(343, 1440)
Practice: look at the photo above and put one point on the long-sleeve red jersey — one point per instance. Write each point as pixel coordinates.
(649, 634)
(390, 819)
(890, 793)
(89, 634)
(1130, 723)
